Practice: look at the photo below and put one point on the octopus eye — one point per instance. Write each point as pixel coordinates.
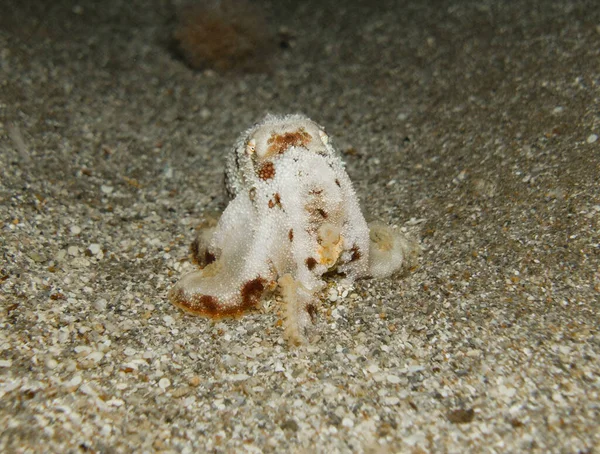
(324, 137)
(251, 147)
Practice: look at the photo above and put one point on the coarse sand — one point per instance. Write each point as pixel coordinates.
(472, 125)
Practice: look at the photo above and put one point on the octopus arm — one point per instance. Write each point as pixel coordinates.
(227, 287)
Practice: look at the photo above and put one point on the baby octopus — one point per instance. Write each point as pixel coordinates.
(293, 217)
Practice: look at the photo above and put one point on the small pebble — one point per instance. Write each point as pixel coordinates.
(238, 377)
(73, 251)
(75, 229)
(74, 382)
(372, 368)
(94, 248)
(106, 189)
(100, 305)
(507, 391)
(347, 422)
(393, 379)
(87, 390)
(592, 138)
(205, 113)
(290, 424)
(164, 383)
(83, 349)
(461, 416)
(393, 400)
(37, 258)
(96, 356)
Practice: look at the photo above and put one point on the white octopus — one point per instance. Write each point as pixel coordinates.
(293, 217)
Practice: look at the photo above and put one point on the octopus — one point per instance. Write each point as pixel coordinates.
(293, 217)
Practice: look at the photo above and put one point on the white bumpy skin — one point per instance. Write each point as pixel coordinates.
(294, 216)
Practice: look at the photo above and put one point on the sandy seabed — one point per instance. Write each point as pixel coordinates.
(472, 125)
